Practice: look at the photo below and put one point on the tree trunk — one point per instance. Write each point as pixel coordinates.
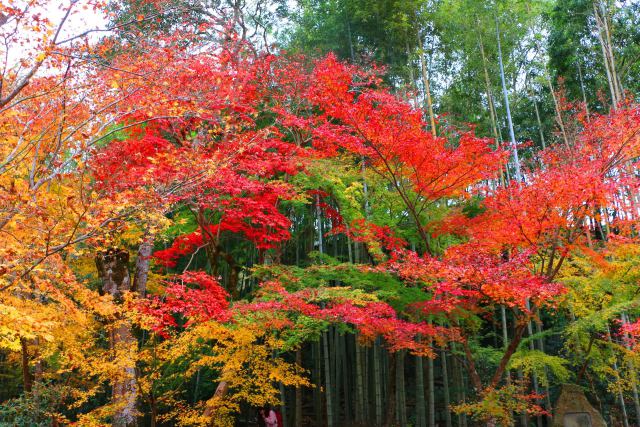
(426, 85)
(319, 220)
(634, 374)
(317, 381)
(602, 38)
(298, 409)
(458, 378)
(489, 93)
(421, 419)
(556, 106)
(143, 260)
(327, 378)
(113, 269)
(337, 377)
(505, 339)
(283, 404)
(154, 413)
(514, 146)
(612, 59)
(27, 378)
(547, 394)
(365, 190)
(391, 391)
(584, 93)
(524, 416)
(616, 371)
(345, 381)
(351, 51)
(401, 405)
(487, 85)
(211, 408)
(513, 345)
(360, 411)
(349, 250)
(412, 78)
(534, 377)
(542, 141)
(432, 393)
(376, 382)
(367, 384)
(447, 395)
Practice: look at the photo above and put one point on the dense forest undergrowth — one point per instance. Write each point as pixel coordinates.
(359, 213)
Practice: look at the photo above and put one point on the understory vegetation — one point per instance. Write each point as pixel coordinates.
(359, 213)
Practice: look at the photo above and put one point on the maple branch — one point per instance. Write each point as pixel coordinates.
(471, 367)
(55, 172)
(193, 256)
(55, 249)
(58, 248)
(513, 345)
(4, 221)
(108, 29)
(29, 97)
(95, 61)
(36, 66)
(410, 207)
(614, 159)
(23, 83)
(554, 243)
(586, 359)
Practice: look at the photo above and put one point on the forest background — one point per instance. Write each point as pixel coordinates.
(364, 213)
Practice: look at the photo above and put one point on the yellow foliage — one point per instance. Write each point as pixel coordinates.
(245, 357)
(602, 286)
(597, 280)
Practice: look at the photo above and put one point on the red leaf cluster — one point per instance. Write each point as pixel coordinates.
(203, 300)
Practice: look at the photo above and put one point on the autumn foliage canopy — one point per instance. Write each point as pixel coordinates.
(209, 154)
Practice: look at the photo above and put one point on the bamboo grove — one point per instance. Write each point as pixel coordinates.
(359, 213)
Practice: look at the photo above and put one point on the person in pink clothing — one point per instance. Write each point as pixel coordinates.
(270, 417)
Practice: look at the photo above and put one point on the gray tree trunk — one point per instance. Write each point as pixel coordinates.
(346, 380)
(426, 85)
(283, 404)
(143, 261)
(556, 106)
(447, 395)
(336, 367)
(327, 378)
(432, 393)
(317, 381)
(547, 394)
(514, 146)
(542, 141)
(113, 269)
(377, 386)
(602, 38)
(421, 419)
(401, 405)
(367, 384)
(584, 93)
(634, 375)
(360, 411)
(616, 371)
(492, 108)
(505, 339)
(298, 408)
(612, 60)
